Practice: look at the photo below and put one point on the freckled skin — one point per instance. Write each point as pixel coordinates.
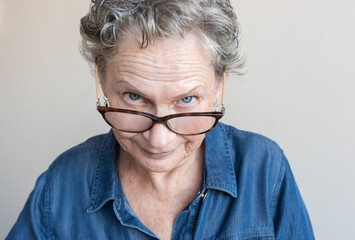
(158, 189)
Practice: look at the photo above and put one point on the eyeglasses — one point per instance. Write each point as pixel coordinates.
(192, 123)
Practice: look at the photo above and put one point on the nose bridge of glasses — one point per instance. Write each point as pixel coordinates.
(163, 120)
(157, 119)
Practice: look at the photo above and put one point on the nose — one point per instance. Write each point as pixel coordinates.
(159, 136)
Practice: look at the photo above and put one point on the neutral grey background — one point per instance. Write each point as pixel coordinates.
(299, 91)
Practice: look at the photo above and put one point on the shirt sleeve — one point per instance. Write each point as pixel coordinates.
(291, 220)
(29, 224)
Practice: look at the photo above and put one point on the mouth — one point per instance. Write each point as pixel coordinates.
(157, 155)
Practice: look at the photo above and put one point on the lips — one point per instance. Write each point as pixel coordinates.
(157, 155)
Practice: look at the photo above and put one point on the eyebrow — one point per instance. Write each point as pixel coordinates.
(191, 91)
(136, 90)
(132, 87)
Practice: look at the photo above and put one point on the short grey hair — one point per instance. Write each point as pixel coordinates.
(213, 20)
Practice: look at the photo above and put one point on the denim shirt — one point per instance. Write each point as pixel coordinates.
(247, 192)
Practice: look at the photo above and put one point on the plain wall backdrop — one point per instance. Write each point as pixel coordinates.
(299, 91)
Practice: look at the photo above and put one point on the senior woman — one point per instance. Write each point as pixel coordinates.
(167, 169)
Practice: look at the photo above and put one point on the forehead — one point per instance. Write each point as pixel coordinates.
(190, 45)
(171, 59)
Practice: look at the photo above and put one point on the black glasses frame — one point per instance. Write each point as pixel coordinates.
(162, 120)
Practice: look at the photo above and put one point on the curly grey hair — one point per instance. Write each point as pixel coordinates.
(213, 20)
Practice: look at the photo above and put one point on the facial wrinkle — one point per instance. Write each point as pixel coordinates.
(153, 73)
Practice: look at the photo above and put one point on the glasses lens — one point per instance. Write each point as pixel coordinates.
(127, 121)
(191, 124)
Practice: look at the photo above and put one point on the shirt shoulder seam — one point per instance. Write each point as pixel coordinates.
(280, 180)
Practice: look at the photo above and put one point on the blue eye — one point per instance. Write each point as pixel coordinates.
(187, 100)
(133, 97)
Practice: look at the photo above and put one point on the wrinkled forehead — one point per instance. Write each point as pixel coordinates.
(191, 45)
(165, 59)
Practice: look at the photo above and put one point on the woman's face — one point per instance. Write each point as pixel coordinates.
(169, 76)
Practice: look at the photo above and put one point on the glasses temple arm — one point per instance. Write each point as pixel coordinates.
(223, 88)
(97, 86)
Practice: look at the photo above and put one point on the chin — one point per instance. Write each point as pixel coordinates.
(158, 167)
(163, 165)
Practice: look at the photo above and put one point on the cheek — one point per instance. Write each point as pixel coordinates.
(193, 143)
(125, 139)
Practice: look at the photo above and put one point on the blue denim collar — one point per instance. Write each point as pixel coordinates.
(106, 178)
(219, 171)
